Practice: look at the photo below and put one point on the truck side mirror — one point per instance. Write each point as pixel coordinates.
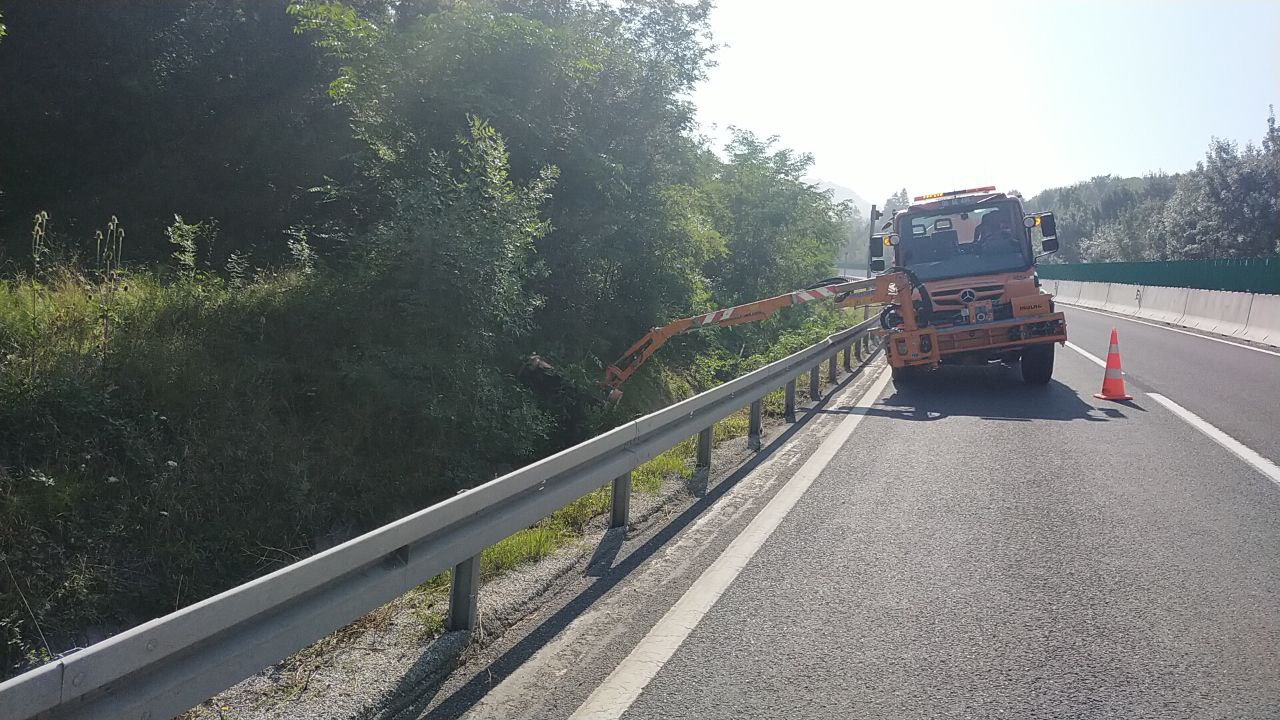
(1048, 230)
(1048, 226)
(876, 253)
(1048, 233)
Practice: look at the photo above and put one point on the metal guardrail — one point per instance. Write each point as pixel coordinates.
(175, 662)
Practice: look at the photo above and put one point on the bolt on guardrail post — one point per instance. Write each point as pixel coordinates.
(815, 383)
(754, 425)
(832, 373)
(620, 501)
(789, 407)
(464, 590)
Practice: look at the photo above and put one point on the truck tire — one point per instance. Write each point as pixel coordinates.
(905, 376)
(1037, 364)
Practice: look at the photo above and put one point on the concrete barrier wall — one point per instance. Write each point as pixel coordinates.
(1245, 315)
(1068, 291)
(1217, 311)
(1094, 295)
(1264, 320)
(1163, 304)
(1123, 299)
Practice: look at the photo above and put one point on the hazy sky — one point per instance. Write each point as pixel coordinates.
(1023, 95)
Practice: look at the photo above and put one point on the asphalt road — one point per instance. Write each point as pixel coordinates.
(976, 548)
(1236, 389)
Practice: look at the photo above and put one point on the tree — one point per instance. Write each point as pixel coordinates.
(897, 201)
(780, 232)
(1226, 207)
(592, 89)
(203, 108)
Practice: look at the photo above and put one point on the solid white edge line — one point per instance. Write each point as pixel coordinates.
(617, 693)
(1088, 355)
(1261, 464)
(1140, 321)
(1244, 452)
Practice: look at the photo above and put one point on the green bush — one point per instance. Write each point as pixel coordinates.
(167, 432)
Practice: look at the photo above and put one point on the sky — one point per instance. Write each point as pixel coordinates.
(934, 96)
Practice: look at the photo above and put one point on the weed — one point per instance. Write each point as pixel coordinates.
(39, 248)
(186, 239)
(156, 429)
(525, 546)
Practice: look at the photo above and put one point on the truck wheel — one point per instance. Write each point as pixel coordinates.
(1037, 364)
(905, 376)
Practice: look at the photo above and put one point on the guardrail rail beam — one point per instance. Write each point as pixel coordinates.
(166, 666)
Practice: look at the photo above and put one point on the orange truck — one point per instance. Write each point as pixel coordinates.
(962, 290)
(976, 294)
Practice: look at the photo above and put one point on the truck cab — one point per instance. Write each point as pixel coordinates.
(978, 298)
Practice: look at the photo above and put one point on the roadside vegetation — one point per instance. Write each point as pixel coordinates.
(1228, 206)
(271, 274)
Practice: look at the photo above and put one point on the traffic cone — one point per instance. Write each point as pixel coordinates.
(1113, 379)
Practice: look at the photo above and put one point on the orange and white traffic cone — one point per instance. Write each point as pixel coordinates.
(1113, 379)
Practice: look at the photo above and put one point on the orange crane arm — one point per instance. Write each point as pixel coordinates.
(883, 288)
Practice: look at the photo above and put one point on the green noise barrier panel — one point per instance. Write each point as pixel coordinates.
(1252, 275)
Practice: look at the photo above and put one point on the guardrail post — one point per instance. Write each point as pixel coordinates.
(848, 357)
(789, 407)
(702, 468)
(464, 591)
(754, 425)
(832, 373)
(179, 660)
(620, 502)
(704, 449)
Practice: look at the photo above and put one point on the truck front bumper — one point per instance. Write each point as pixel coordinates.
(928, 346)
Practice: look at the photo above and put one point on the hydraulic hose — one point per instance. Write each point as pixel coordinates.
(924, 311)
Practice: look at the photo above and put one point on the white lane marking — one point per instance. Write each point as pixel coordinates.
(1261, 464)
(1140, 321)
(1090, 356)
(628, 680)
(598, 625)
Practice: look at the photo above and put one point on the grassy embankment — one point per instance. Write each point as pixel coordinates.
(164, 438)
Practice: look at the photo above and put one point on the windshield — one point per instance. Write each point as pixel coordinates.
(966, 240)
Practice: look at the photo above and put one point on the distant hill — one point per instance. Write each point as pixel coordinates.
(843, 193)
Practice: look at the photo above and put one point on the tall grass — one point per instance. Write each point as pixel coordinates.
(163, 439)
(166, 436)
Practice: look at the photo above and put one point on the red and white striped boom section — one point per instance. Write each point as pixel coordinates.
(850, 293)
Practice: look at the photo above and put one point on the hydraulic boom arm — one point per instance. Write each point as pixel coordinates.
(848, 293)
